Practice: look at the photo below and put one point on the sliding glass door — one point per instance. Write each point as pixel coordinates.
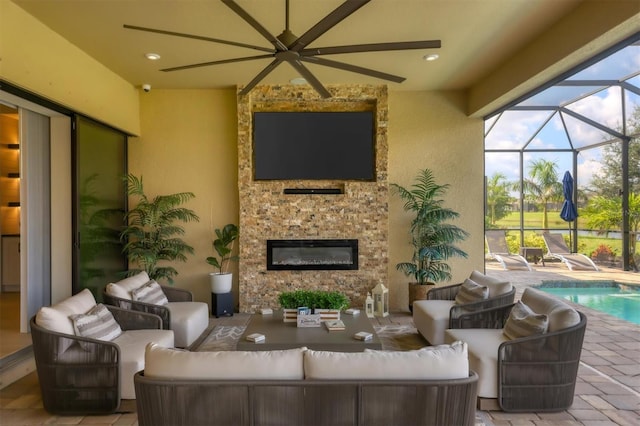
(99, 194)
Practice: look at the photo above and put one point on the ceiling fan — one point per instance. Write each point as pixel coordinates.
(293, 50)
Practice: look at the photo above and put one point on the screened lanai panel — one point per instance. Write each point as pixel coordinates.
(616, 66)
(515, 129)
(632, 115)
(552, 136)
(559, 95)
(502, 190)
(583, 135)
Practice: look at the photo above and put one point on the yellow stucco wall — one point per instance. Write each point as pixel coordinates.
(188, 144)
(40, 61)
(429, 130)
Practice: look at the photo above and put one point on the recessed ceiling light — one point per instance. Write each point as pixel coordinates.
(298, 80)
(152, 56)
(431, 57)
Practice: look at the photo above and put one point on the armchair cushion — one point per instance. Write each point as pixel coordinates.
(124, 287)
(98, 323)
(496, 286)
(483, 355)
(431, 318)
(150, 292)
(132, 345)
(523, 322)
(560, 314)
(188, 321)
(471, 292)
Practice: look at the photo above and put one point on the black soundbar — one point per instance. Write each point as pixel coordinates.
(331, 191)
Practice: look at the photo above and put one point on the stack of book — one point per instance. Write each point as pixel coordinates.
(334, 325)
(255, 337)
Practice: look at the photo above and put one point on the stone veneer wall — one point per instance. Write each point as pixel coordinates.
(361, 212)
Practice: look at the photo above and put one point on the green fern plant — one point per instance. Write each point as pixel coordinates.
(432, 237)
(152, 234)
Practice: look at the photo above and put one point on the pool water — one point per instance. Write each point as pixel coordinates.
(618, 300)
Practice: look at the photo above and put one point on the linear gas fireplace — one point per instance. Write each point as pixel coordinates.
(312, 254)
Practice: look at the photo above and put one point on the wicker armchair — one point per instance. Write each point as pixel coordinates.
(457, 312)
(187, 320)
(83, 380)
(173, 295)
(535, 373)
(432, 317)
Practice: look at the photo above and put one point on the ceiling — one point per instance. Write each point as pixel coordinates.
(477, 37)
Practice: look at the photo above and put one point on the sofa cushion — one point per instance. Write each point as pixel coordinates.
(523, 322)
(151, 292)
(98, 323)
(165, 363)
(434, 362)
(132, 345)
(470, 292)
(431, 318)
(122, 288)
(188, 321)
(496, 286)
(483, 355)
(560, 314)
(56, 317)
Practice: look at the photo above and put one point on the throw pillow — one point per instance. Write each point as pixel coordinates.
(523, 322)
(98, 324)
(151, 293)
(471, 292)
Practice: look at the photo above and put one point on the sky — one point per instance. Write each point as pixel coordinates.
(515, 129)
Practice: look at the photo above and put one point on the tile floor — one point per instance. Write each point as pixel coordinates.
(607, 391)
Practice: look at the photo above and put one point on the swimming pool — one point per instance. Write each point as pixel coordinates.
(619, 300)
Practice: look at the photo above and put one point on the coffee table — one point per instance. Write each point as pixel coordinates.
(287, 335)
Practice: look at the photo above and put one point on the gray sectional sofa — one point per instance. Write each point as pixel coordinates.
(431, 386)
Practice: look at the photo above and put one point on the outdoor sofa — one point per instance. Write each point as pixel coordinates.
(430, 386)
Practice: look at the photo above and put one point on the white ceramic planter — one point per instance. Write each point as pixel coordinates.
(220, 283)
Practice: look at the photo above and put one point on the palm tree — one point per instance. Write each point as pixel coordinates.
(497, 197)
(542, 187)
(151, 232)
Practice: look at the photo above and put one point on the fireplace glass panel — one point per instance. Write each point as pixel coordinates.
(312, 254)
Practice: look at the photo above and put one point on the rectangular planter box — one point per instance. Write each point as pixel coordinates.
(291, 315)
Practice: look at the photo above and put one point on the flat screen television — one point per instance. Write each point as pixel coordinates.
(314, 145)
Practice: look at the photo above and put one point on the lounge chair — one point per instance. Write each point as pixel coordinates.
(499, 250)
(557, 248)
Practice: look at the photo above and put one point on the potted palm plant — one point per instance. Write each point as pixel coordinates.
(152, 234)
(222, 280)
(432, 236)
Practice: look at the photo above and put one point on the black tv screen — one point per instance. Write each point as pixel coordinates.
(314, 145)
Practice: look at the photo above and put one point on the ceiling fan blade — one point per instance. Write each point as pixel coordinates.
(223, 61)
(352, 68)
(255, 24)
(372, 47)
(262, 74)
(311, 79)
(197, 37)
(326, 23)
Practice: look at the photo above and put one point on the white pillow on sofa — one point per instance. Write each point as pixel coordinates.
(470, 292)
(123, 288)
(163, 363)
(56, 317)
(495, 285)
(433, 362)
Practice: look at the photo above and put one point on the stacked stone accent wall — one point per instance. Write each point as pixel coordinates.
(360, 212)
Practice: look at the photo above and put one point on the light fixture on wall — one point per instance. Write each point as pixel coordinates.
(152, 56)
(431, 57)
